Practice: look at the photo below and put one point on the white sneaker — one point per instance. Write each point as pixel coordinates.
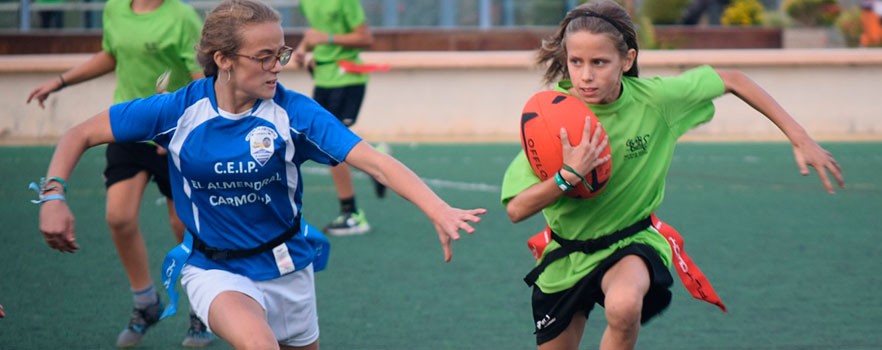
(348, 224)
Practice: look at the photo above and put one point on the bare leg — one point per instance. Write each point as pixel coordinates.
(342, 177)
(241, 321)
(123, 204)
(625, 285)
(570, 337)
(313, 346)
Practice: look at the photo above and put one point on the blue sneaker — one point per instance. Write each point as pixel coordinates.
(142, 319)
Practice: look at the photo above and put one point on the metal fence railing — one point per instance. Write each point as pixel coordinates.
(28, 15)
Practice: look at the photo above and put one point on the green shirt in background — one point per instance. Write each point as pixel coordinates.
(146, 45)
(335, 17)
(643, 127)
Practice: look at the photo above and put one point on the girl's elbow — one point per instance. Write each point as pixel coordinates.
(514, 215)
(733, 80)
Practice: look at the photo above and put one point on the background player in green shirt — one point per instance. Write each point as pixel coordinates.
(338, 31)
(142, 40)
(595, 53)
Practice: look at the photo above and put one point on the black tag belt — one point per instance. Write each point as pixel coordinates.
(568, 246)
(213, 253)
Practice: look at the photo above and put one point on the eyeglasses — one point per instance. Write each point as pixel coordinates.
(268, 62)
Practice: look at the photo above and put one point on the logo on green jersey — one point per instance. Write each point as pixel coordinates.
(151, 47)
(637, 146)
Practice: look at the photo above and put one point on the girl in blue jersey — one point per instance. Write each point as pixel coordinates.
(594, 54)
(235, 141)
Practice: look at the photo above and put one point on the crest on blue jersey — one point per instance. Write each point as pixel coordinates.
(261, 141)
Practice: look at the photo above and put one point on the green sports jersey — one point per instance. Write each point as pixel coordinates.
(146, 45)
(335, 17)
(643, 127)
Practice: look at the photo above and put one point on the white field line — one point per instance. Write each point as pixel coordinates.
(435, 183)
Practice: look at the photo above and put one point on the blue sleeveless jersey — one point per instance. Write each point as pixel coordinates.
(236, 181)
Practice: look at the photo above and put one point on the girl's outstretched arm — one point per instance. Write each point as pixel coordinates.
(390, 172)
(806, 151)
(101, 63)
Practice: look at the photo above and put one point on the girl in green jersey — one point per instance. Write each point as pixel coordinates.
(148, 45)
(593, 57)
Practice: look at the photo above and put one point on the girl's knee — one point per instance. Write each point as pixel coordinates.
(623, 311)
(121, 223)
(258, 343)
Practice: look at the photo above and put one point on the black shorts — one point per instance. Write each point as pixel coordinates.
(552, 313)
(343, 102)
(124, 160)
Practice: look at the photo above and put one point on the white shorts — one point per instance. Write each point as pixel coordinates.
(289, 301)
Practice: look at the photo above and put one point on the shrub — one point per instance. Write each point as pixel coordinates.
(646, 39)
(812, 13)
(777, 19)
(664, 11)
(743, 13)
(849, 24)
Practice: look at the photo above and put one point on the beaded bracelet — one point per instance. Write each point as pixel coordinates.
(44, 181)
(63, 82)
(40, 197)
(584, 181)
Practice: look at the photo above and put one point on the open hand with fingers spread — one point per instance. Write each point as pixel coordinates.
(42, 92)
(810, 154)
(449, 221)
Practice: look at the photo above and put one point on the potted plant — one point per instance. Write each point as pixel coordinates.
(849, 24)
(812, 13)
(814, 21)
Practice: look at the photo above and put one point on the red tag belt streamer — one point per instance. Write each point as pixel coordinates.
(691, 277)
(361, 68)
(538, 242)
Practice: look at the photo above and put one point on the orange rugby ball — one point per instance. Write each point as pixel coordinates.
(543, 116)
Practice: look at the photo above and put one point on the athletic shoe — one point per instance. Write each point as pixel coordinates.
(142, 319)
(348, 224)
(198, 334)
(380, 189)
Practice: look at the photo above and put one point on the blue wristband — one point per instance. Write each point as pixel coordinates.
(41, 198)
(52, 197)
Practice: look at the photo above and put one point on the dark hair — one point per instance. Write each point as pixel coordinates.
(221, 31)
(599, 17)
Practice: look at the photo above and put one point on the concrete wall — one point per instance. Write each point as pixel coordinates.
(478, 96)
